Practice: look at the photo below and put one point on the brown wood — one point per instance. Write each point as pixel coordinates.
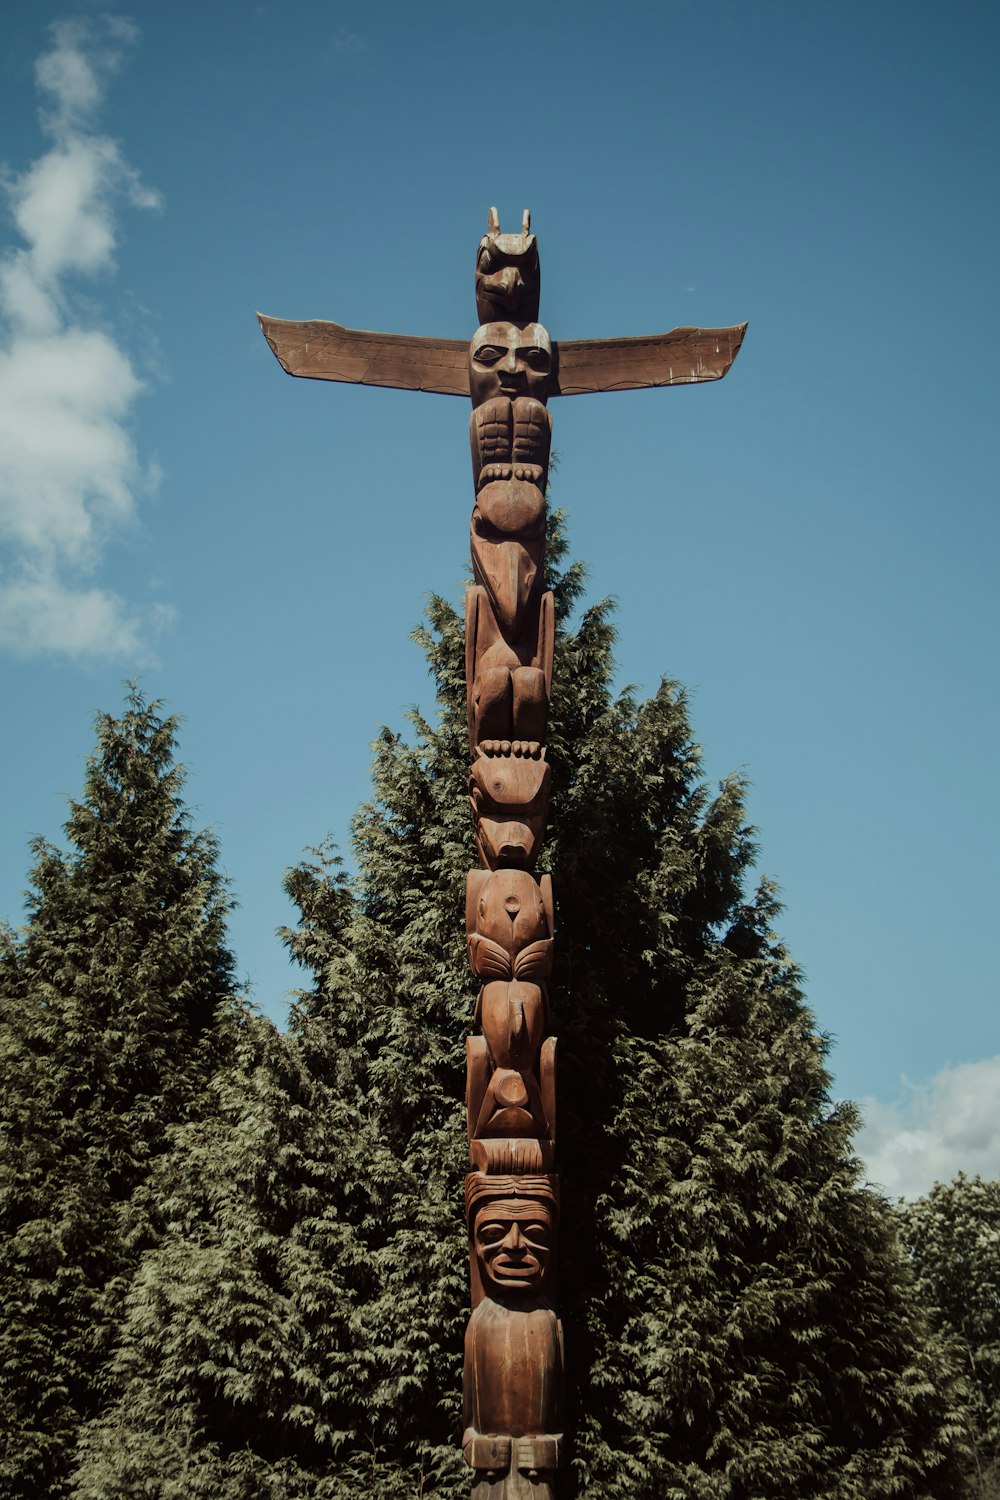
(513, 1387)
(321, 350)
(508, 275)
(513, 1371)
(326, 351)
(510, 1086)
(684, 356)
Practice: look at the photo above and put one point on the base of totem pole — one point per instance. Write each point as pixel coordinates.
(515, 1486)
(514, 1468)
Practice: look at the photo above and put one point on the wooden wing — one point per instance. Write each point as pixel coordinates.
(326, 351)
(683, 356)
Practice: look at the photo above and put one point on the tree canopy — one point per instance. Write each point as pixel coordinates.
(108, 999)
(953, 1238)
(739, 1321)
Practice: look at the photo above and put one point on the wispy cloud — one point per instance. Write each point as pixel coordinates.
(345, 44)
(935, 1130)
(70, 475)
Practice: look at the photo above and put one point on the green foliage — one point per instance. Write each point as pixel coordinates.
(107, 1001)
(298, 1329)
(739, 1322)
(953, 1238)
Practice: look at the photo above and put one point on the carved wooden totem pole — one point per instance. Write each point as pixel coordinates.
(513, 1377)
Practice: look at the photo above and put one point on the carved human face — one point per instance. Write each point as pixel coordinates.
(514, 1239)
(505, 360)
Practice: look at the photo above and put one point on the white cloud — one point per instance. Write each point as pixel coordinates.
(68, 468)
(934, 1130)
(70, 475)
(347, 41)
(75, 70)
(42, 612)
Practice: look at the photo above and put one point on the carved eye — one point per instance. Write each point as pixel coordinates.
(489, 355)
(492, 1234)
(538, 359)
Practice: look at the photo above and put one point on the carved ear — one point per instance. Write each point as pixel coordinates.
(545, 885)
(493, 222)
(526, 221)
(473, 886)
(477, 1073)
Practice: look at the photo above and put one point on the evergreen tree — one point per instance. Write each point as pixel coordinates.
(107, 1000)
(953, 1239)
(739, 1322)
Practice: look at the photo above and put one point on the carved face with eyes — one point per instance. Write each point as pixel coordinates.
(508, 361)
(507, 277)
(514, 1239)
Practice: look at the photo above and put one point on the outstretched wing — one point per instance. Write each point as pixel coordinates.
(325, 351)
(681, 357)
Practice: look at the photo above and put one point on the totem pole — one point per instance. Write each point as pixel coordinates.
(513, 1375)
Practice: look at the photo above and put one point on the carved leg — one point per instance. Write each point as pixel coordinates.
(531, 704)
(493, 717)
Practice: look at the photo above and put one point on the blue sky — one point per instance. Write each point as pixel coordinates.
(809, 546)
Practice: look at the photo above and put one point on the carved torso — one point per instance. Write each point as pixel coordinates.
(514, 1370)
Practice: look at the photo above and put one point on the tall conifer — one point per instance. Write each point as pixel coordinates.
(738, 1321)
(108, 999)
(952, 1236)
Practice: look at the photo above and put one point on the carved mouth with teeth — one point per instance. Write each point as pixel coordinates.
(513, 1242)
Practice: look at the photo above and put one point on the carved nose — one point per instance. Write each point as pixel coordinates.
(513, 1240)
(510, 277)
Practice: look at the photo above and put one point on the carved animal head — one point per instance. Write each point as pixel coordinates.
(508, 568)
(508, 275)
(510, 803)
(512, 1015)
(509, 907)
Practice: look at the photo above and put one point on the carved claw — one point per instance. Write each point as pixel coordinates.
(528, 749)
